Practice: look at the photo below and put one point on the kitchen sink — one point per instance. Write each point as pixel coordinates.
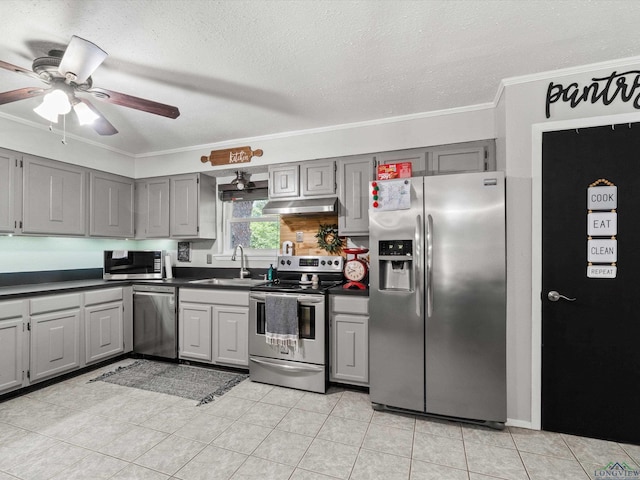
(230, 281)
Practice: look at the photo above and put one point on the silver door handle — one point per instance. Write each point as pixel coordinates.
(291, 368)
(429, 249)
(555, 296)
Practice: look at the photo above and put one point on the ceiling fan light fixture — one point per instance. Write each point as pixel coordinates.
(80, 60)
(46, 112)
(54, 103)
(85, 115)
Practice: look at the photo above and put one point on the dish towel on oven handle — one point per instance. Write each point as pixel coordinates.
(281, 315)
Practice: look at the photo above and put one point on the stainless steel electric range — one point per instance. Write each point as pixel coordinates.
(306, 279)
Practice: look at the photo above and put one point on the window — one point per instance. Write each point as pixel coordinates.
(245, 224)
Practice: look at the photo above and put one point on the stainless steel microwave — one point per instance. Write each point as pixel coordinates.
(133, 264)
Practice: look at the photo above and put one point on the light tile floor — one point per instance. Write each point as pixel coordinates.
(90, 431)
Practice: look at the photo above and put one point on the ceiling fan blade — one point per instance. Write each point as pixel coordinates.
(136, 103)
(101, 125)
(21, 94)
(81, 58)
(15, 68)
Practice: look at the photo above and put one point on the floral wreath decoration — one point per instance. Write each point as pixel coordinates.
(328, 238)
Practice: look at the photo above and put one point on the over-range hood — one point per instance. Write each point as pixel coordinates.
(298, 205)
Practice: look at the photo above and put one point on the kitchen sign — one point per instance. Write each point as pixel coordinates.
(231, 156)
(602, 228)
(625, 85)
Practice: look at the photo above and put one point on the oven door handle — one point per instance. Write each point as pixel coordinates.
(290, 368)
(302, 299)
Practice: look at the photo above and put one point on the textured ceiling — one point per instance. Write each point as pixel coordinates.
(240, 69)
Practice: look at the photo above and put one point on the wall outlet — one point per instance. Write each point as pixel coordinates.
(209, 259)
(299, 237)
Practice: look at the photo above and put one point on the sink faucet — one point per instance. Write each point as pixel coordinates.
(243, 271)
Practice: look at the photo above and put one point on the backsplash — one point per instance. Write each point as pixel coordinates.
(308, 225)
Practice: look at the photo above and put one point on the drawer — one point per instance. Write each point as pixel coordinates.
(215, 296)
(349, 304)
(103, 296)
(54, 303)
(12, 309)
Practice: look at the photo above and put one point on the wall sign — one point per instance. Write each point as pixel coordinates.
(602, 228)
(624, 85)
(231, 156)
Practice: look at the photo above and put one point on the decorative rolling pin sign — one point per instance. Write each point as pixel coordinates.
(231, 156)
(602, 228)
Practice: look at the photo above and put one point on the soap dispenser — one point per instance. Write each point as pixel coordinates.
(270, 272)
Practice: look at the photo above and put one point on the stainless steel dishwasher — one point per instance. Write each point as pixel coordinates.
(155, 327)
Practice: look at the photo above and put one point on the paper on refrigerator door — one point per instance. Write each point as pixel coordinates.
(391, 194)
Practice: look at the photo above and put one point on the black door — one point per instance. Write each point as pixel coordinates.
(591, 346)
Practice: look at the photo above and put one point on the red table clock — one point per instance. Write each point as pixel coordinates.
(355, 270)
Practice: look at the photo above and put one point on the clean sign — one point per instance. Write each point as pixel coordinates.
(602, 251)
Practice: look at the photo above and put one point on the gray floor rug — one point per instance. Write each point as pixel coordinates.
(194, 383)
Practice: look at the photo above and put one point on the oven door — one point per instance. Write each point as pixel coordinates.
(312, 325)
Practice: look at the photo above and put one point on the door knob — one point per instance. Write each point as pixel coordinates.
(555, 296)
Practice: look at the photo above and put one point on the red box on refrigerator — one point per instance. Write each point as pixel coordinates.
(394, 170)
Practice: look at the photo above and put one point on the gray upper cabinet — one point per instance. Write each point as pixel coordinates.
(465, 157)
(152, 208)
(55, 197)
(462, 158)
(354, 175)
(111, 205)
(192, 211)
(10, 186)
(318, 178)
(284, 180)
(416, 157)
(307, 179)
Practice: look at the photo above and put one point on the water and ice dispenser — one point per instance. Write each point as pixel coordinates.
(396, 265)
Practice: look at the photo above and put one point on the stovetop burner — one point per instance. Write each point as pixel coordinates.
(296, 287)
(291, 270)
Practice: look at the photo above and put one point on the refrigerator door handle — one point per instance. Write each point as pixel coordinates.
(417, 265)
(429, 265)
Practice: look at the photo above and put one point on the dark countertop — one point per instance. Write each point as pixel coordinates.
(17, 291)
(349, 291)
(45, 283)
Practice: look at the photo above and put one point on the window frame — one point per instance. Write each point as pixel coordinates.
(227, 220)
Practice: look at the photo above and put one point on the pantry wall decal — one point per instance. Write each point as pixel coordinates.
(602, 228)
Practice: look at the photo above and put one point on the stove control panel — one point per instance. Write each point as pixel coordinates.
(310, 263)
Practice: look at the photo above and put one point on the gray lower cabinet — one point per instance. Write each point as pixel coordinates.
(213, 326)
(194, 331)
(12, 314)
(231, 335)
(10, 187)
(103, 324)
(354, 175)
(349, 339)
(192, 210)
(54, 197)
(111, 205)
(152, 208)
(55, 335)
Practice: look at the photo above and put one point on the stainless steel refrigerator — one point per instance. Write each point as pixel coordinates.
(438, 295)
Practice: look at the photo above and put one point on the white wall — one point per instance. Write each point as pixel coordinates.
(460, 125)
(38, 140)
(524, 110)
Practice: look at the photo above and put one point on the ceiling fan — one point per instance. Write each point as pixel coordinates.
(68, 73)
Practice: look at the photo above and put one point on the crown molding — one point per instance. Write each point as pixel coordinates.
(57, 131)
